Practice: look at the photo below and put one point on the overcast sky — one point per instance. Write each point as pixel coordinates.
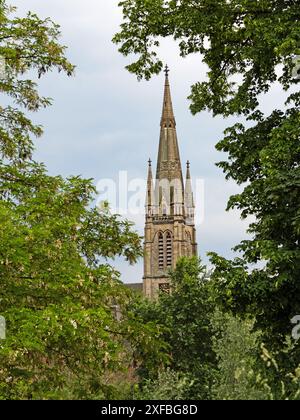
(103, 121)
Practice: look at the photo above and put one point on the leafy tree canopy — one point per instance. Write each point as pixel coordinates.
(184, 317)
(57, 293)
(245, 38)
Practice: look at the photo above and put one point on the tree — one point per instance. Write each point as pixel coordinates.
(248, 45)
(56, 293)
(169, 385)
(184, 319)
(237, 351)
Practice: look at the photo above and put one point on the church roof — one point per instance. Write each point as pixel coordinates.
(137, 287)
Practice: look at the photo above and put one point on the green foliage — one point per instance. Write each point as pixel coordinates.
(267, 158)
(278, 383)
(57, 292)
(57, 300)
(236, 347)
(169, 385)
(212, 354)
(184, 318)
(249, 38)
(26, 44)
(246, 369)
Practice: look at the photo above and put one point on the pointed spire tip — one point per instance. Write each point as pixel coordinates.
(188, 172)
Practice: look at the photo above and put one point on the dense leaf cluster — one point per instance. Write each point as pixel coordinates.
(58, 293)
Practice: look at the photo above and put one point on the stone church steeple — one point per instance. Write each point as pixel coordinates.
(169, 229)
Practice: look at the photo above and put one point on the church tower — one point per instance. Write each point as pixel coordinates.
(169, 229)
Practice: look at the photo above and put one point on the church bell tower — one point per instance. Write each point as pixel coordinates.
(169, 229)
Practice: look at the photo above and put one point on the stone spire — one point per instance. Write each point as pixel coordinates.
(188, 196)
(168, 163)
(167, 117)
(150, 192)
(169, 190)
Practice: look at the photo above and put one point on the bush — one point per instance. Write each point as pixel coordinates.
(170, 385)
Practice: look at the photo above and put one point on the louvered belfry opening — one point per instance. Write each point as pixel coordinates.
(169, 251)
(161, 251)
(165, 251)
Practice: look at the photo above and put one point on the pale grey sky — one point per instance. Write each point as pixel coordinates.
(104, 121)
